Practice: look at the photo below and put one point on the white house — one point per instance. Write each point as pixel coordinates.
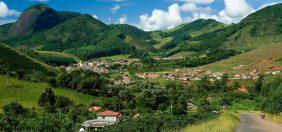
(109, 116)
(104, 118)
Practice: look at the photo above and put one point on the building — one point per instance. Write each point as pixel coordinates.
(104, 118)
(94, 108)
(110, 116)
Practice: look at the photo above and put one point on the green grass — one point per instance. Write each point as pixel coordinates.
(28, 93)
(115, 57)
(58, 55)
(139, 44)
(182, 54)
(261, 59)
(226, 122)
(16, 60)
(163, 41)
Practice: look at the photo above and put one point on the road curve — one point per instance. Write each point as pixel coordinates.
(253, 123)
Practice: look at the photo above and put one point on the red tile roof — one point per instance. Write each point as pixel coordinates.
(108, 113)
(95, 108)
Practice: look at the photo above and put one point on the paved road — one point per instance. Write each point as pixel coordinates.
(253, 123)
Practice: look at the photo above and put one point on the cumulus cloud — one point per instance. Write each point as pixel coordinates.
(95, 16)
(5, 11)
(234, 11)
(189, 7)
(161, 19)
(237, 8)
(115, 8)
(198, 1)
(122, 20)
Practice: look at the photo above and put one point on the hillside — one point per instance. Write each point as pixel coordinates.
(79, 34)
(256, 30)
(199, 27)
(262, 59)
(37, 18)
(12, 60)
(28, 93)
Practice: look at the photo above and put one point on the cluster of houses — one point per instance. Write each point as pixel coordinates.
(101, 66)
(104, 118)
(199, 74)
(125, 79)
(182, 76)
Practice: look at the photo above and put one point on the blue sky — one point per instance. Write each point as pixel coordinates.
(142, 13)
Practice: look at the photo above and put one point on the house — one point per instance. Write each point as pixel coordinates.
(110, 116)
(104, 118)
(94, 108)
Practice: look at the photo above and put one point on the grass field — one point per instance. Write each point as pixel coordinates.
(16, 60)
(28, 93)
(140, 44)
(182, 54)
(58, 55)
(115, 57)
(261, 59)
(162, 42)
(229, 119)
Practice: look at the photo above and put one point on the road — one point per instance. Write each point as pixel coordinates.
(253, 123)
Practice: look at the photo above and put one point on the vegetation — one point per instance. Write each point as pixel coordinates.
(15, 63)
(28, 93)
(230, 120)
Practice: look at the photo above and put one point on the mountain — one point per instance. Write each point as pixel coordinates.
(42, 28)
(12, 60)
(132, 31)
(37, 18)
(257, 30)
(199, 27)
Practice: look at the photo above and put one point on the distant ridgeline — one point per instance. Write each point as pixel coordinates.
(41, 28)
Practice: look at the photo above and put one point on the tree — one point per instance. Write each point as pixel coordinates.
(47, 100)
(273, 104)
(224, 80)
(63, 104)
(259, 83)
(204, 84)
(14, 109)
(236, 85)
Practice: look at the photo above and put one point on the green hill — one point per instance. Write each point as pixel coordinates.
(12, 60)
(261, 59)
(79, 34)
(132, 31)
(37, 18)
(28, 93)
(199, 27)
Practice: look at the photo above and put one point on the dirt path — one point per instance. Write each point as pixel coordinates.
(253, 123)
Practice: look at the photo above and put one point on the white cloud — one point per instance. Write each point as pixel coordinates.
(123, 20)
(198, 1)
(235, 10)
(115, 8)
(5, 11)
(188, 7)
(268, 4)
(95, 16)
(161, 19)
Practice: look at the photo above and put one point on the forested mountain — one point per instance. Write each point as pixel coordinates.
(42, 28)
(256, 30)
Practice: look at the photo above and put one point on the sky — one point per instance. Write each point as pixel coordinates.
(148, 15)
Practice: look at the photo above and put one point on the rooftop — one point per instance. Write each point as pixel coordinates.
(108, 113)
